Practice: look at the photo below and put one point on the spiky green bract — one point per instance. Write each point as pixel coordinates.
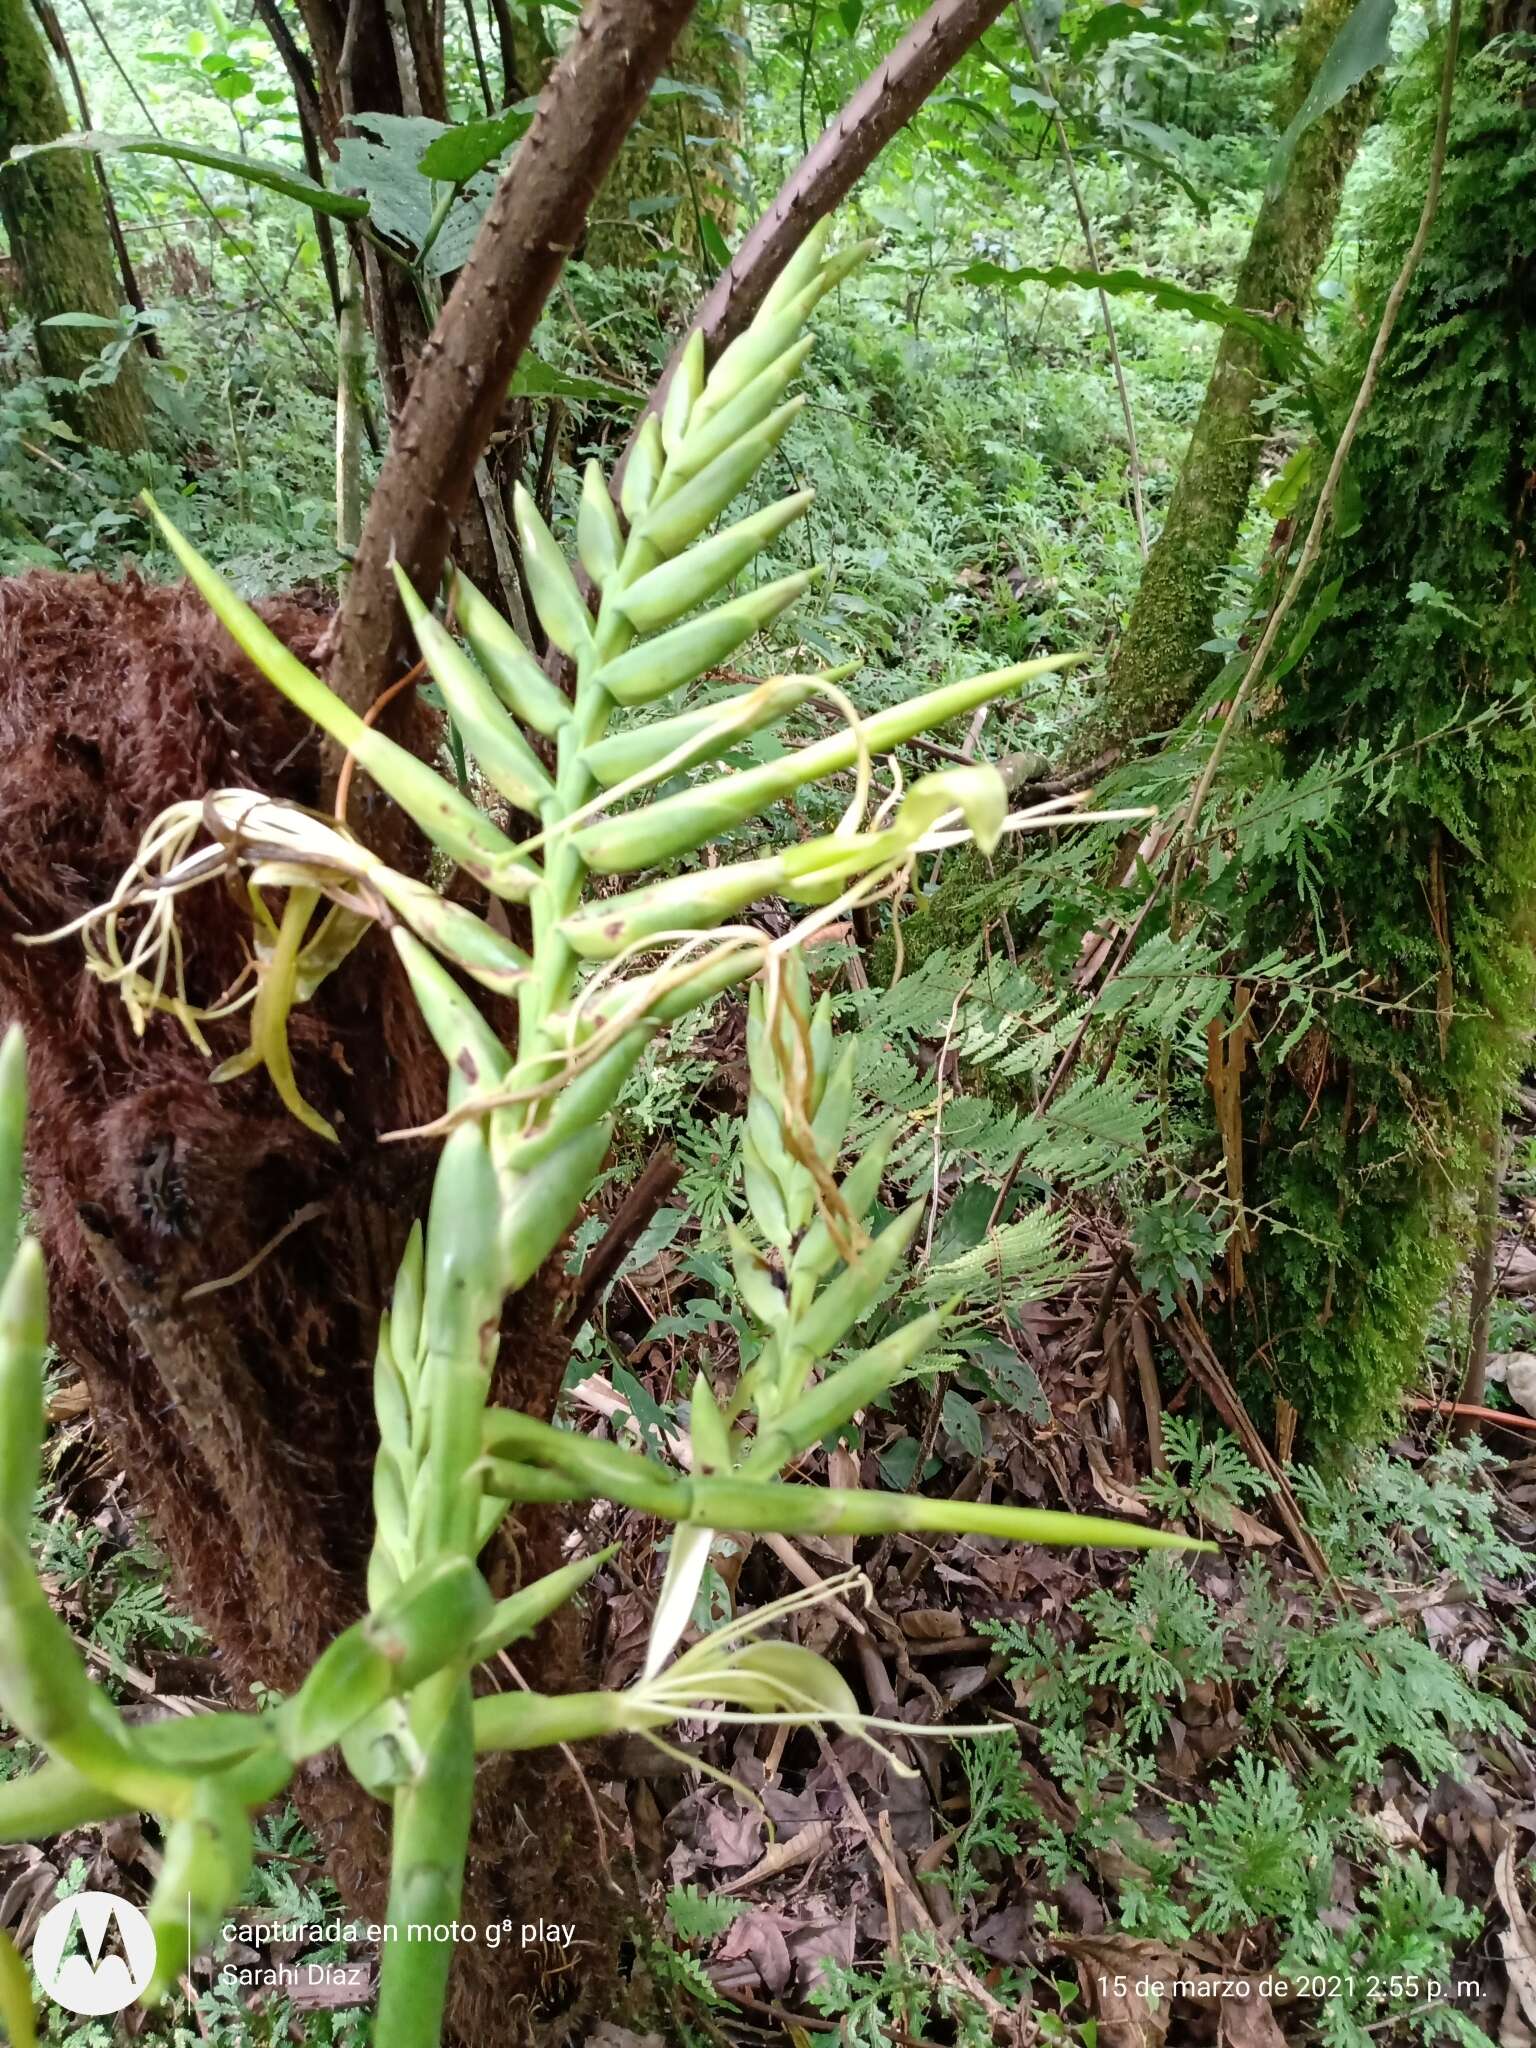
(1424, 865)
(448, 819)
(677, 824)
(13, 1129)
(526, 1130)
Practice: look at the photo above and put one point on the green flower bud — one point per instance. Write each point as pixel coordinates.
(601, 929)
(643, 470)
(510, 764)
(814, 1415)
(516, 1617)
(859, 1287)
(539, 1206)
(599, 539)
(13, 1135)
(475, 947)
(675, 587)
(681, 517)
(559, 604)
(677, 824)
(516, 1148)
(710, 437)
(665, 663)
(511, 669)
(462, 1308)
(477, 1059)
(683, 392)
(429, 1623)
(203, 1866)
(23, 1342)
(695, 736)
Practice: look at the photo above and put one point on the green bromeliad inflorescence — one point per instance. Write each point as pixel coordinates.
(524, 1136)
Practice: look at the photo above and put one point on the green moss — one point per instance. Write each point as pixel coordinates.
(652, 167)
(52, 212)
(1158, 670)
(1372, 1140)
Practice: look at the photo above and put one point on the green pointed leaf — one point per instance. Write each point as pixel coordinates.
(250, 170)
(1362, 45)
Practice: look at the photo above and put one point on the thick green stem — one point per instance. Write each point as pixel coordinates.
(430, 1843)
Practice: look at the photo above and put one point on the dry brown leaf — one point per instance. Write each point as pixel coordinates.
(1514, 2032)
(1249, 2023)
(1252, 1530)
(781, 1856)
(1125, 1983)
(1518, 1939)
(758, 1938)
(1123, 1499)
(1395, 1827)
(931, 1625)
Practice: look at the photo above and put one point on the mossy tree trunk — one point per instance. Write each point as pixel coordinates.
(1369, 1140)
(1158, 669)
(60, 246)
(674, 166)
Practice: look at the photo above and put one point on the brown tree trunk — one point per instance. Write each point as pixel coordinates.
(57, 229)
(536, 218)
(378, 68)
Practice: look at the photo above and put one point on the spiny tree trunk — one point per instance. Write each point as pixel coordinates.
(1369, 1141)
(53, 217)
(676, 151)
(536, 218)
(1158, 670)
(882, 106)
